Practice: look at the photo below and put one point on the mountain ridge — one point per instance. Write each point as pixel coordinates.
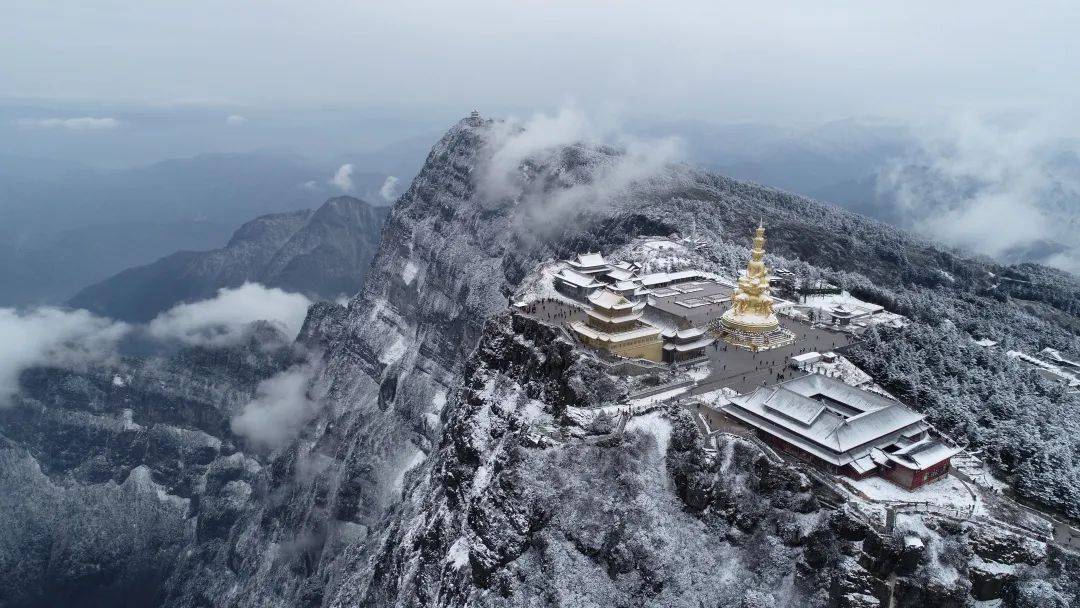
(415, 482)
(323, 253)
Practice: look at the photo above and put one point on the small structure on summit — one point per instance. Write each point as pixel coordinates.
(751, 322)
(589, 263)
(614, 324)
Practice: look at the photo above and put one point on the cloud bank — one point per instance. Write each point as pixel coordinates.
(343, 178)
(84, 123)
(53, 337)
(75, 339)
(224, 319)
(280, 410)
(235, 120)
(1007, 189)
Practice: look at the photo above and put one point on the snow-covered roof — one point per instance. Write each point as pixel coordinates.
(610, 300)
(923, 454)
(622, 336)
(863, 465)
(803, 412)
(986, 342)
(620, 274)
(794, 406)
(813, 385)
(687, 334)
(629, 316)
(577, 279)
(661, 278)
(811, 357)
(688, 346)
(589, 261)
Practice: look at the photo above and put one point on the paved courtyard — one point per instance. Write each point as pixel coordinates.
(737, 368)
(743, 370)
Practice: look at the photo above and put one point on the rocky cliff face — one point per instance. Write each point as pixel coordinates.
(323, 253)
(439, 469)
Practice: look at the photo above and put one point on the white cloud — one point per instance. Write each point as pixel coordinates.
(235, 120)
(343, 178)
(995, 188)
(310, 185)
(84, 123)
(281, 408)
(389, 188)
(51, 336)
(224, 319)
(516, 145)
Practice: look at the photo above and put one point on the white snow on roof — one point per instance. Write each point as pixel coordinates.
(610, 300)
(641, 332)
(794, 406)
(788, 411)
(688, 346)
(576, 278)
(816, 384)
(620, 274)
(667, 277)
(923, 454)
(863, 465)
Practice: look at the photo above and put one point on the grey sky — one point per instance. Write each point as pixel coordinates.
(726, 62)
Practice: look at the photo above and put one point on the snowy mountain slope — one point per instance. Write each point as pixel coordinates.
(451, 253)
(423, 390)
(324, 253)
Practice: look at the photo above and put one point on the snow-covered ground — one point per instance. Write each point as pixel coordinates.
(699, 372)
(817, 308)
(717, 398)
(950, 493)
(657, 398)
(841, 368)
(978, 472)
(540, 285)
(656, 424)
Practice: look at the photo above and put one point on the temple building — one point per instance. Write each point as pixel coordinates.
(685, 344)
(576, 284)
(613, 323)
(845, 430)
(589, 263)
(751, 322)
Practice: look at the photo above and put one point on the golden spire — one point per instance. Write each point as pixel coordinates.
(756, 268)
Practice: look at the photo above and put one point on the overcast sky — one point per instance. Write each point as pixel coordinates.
(725, 62)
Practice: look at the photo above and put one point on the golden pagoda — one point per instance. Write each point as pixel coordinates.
(751, 322)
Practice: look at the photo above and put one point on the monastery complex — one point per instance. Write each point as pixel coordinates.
(775, 360)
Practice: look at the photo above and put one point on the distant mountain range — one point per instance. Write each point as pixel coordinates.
(67, 225)
(323, 253)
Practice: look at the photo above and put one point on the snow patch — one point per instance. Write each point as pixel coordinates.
(394, 352)
(658, 397)
(458, 555)
(408, 273)
(949, 492)
(414, 458)
(656, 424)
(438, 401)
